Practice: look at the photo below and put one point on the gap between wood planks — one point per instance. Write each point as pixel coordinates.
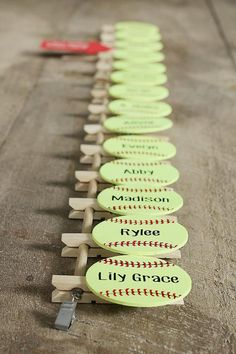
(221, 31)
(25, 100)
(37, 72)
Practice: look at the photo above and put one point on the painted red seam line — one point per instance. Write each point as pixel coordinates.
(137, 264)
(140, 153)
(149, 207)
(140, 243)
(142, 222)
(154, 140)
(139, 292)
(142, 190)
(137, 163)
(139, 179)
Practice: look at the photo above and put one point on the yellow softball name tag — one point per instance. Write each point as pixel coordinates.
(131, 58)
(139, 78)
(138, 92)
(126, 53)
(138, 49)
(136, 26)
(136, 172)
(137, 37)
(140, 109)
(139, 147)
(138, 281)
(136, 125)
(135, 234)
(151, 67)
(132, 45)
(124, 200)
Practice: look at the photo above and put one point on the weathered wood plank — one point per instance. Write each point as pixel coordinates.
(224, 14)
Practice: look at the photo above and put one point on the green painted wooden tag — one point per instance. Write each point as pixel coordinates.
(130, 45)
(138, 77)
(137, 36)
(123, 53)
(124, 200)
(138, 49)
(138, 281)
(139, 147)
(134, 234)
(135, 172)
(136, 26)
(139, 93)
(140, 109)
(131, 125)
(136, 30)
(141, 58)
(156, 68)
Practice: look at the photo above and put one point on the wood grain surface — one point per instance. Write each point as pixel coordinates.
(43, 106)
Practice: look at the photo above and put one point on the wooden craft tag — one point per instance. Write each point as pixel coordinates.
(138, 172)
(138, 78)
(138, 92)
(135, 234)
(138, 281)
(124, 200)
(135, 108)
(132, 125)
(137, 147)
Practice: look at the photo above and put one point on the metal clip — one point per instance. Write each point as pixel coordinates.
(66, 314)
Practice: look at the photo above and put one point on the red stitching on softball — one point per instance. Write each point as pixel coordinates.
(132, 264)
(139, 179)
(137, 126)
(154, 140)
(140, 243)
(143, 190)
(140, 153)
(138, 163)
(141, 222)
(140, 292)
(130, 207)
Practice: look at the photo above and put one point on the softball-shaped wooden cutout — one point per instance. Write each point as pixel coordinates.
(134, 45)
(135, 234)
(151, 47)
(131, 125)
(136, 172)
(138, 93)
(137, 35)
(137, 38)
(131, 58)
(138, 281)
(140, 109)
(126, 65)
(137, 26)
(124, 200)
(139, 147)
(138, 78)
